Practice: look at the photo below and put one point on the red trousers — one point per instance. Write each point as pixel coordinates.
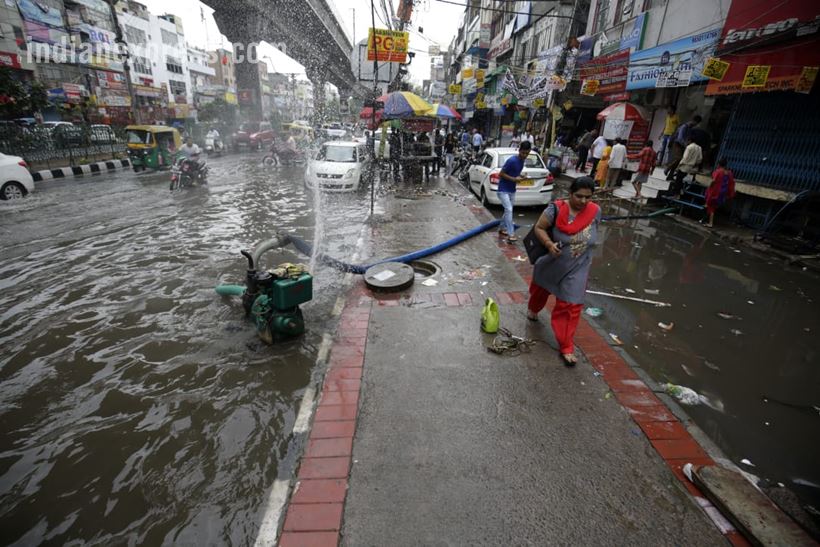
(565, 316)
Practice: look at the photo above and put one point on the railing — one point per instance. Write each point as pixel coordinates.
(63, 145)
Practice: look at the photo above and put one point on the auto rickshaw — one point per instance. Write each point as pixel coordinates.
(152, 146)
(302, 133)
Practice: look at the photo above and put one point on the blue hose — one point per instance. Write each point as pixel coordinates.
(305, 248)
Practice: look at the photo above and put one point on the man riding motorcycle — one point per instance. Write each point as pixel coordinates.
(188, 164)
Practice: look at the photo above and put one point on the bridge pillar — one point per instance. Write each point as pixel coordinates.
(318, 80)
(241, 26)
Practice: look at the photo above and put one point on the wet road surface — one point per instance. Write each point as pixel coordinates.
(136, 405)
(756, 371)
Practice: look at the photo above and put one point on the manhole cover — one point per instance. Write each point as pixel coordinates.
(389, 277)
(424, 269)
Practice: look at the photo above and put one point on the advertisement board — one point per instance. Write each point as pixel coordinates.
(672, 60)
(389, 46)
(610, 71)
(783, 36)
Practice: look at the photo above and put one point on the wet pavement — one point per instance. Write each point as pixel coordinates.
(755, 370)
(137, 405)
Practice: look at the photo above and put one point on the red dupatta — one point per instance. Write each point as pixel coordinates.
(581, 220)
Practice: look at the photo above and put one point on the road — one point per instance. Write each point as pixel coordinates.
(135, 402)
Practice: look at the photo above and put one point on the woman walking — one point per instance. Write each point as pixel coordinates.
(721, 191)
(569, 231)
(449, 150)
(602, 169)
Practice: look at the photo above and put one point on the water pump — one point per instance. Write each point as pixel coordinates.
(272, 297)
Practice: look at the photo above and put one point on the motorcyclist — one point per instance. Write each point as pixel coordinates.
(190, 150)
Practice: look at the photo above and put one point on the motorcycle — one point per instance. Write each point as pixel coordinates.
(214, 145)
(283, 155)
(462, 164)
(188, 172)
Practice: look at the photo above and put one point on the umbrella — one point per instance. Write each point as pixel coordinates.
(403, 104)
(443, 111)
(367, 113)
(623, 112)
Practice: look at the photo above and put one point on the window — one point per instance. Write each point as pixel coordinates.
(487, 161)
(142, 65)
(619, 9)
(177, 88)
(601, 14)
(173, 65)
(134, 35)
(169, 38)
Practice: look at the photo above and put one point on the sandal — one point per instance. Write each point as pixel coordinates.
(569, 359)
(503, 233)
(532, 316)
(512, 239)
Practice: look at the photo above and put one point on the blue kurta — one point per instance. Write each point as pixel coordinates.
(566, 275)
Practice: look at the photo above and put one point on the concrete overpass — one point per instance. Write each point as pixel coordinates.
(310, 29)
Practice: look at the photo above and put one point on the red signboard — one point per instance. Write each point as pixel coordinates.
(782, 35)
(610, 70)
(9, 59)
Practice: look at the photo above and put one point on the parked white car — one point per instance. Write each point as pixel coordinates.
(15, 180)
(337, 167)
(334, 130)
(102, 134)
(484, 178)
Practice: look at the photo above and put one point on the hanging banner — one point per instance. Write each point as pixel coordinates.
(672, 59)
(454, 89)
(782, 35)
(633, 40)
(756, 76)
(715, 69)
(807, 78)
(610, 71)
(590, 87)
(389, 46)
(467, 73)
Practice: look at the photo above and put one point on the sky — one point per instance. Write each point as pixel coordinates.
(439, 21)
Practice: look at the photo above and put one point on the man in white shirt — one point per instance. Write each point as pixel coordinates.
(190, 149)
(478, 140)
(617, 162)
(598, 146)
(689, 165)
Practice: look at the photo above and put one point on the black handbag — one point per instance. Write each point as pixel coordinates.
(535, 249)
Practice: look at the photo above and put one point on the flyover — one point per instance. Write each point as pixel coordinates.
(311, 31)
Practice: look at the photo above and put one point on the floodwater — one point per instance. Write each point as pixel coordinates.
(137, 406)
(756, 368)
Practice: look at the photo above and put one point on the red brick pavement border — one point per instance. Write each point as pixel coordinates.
(314, 514)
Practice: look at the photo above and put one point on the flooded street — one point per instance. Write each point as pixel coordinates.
(744, 337)
(137, 405)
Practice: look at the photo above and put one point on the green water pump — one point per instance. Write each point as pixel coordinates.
(272, 298)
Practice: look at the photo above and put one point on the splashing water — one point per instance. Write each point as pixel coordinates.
(318, 227)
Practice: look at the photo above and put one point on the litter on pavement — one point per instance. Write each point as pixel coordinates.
(616, 339)
(594, 312)
(666, 326)
(632, 298)
(683, 394)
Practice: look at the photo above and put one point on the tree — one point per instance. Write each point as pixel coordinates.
(18, 99)
(218, 111)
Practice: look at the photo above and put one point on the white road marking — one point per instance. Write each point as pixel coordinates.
(305, 412)
(273, 512)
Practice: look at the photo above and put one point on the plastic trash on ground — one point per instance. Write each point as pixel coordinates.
(683, 394)
(594, 312)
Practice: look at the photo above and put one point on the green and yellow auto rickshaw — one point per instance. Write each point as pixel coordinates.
(152, 146)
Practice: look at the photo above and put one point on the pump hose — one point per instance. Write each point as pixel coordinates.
(282, 239)
(649, 215)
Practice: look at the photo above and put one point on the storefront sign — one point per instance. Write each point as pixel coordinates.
(499, 47)
(98, 5)
(715, 69)
(146, 91)
(97, 35)
(469, 86)
(681, 56)
(433, 50)
(467, 73)
(585, 48)
(633, 40)
(74, 93)
(756, 76)
(484, 36)
(9, 59)
(590, 87)
(454, 89)
(389, 46)
(114, 100)
(610, 71)
(749, 41)
(807, 78)
(40, 12)
(438, 90)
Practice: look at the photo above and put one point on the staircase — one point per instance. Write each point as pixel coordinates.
(657, 183)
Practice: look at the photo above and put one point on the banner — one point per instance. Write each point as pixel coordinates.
(610, 71)
(590, 87)
(715, 69)
(454, 89)
(9, 59)
(784, 36)
(41, 12)
(674, 60)
(807, 78)
(388, 46)
(756, 76)
(634, 39)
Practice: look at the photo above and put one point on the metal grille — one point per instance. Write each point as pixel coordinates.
(773, 140)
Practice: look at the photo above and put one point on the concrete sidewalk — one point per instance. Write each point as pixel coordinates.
(454, 445)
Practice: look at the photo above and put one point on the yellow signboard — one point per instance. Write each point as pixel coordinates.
(454, 89)
(467, 73)
(807, 78)
(388, 46)
(538, 103)
(479, 75)
(568, 105)
(715, 69)
(756, 76)
(590, 87)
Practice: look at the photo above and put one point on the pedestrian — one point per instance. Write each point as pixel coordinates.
(509, 176)
(478, 140)
(669, 127)
(721, 191)
(516, 139)
(465, 139)
(603, 165)
(438, 143)
(582, 149)
(598, 146)
(449, 150)
(569, 231)
(679, 144)
(617, 162)
(688, 165)
(647, 159)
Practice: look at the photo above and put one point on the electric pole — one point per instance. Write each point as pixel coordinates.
(124, 57)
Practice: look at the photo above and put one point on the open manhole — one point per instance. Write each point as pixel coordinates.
(424, 269)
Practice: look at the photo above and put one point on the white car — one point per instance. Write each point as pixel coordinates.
(15, 180)
(484, 178)
(337, 167)
(334, 130)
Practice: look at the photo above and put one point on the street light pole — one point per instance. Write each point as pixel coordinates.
(372, 34)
